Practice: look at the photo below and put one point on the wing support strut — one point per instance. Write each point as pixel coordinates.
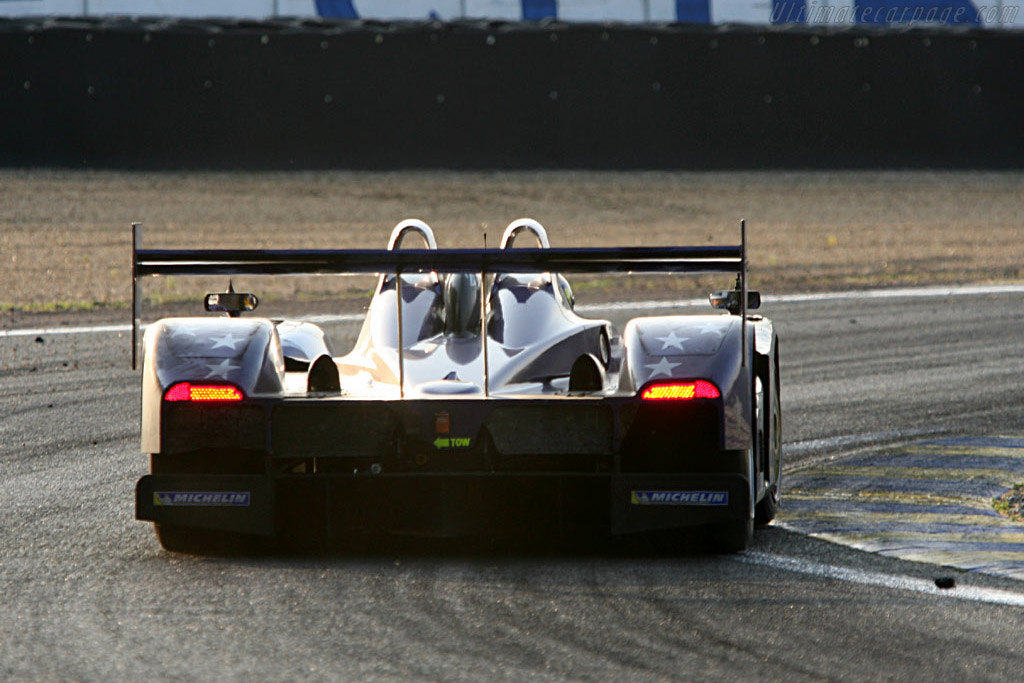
(136, 292)
(743, 291)
(483, 330)
(401, 336)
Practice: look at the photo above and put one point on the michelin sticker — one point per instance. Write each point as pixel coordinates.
(680, 497)
(205, 498)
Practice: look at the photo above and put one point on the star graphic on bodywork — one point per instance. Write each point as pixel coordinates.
(227, 340)
(710, 328)
(671, 340)
(221, 369)
(662, 367)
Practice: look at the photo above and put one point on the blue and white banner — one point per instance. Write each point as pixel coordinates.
(985, 13)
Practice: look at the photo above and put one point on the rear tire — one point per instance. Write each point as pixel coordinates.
(734, 535)
(768, 507)
(729, 537)
(191, 541)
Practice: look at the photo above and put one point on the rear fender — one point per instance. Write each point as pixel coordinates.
(694, 347)
(244, 352)
(302, 343)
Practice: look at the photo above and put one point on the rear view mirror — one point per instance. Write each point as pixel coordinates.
(231, 303)
(729, 300)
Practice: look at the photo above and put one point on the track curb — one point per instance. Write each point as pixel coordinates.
(926, 501)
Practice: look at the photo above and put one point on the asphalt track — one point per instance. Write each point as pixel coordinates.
(88, 594)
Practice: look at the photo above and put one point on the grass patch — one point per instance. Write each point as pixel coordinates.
(1011, 503)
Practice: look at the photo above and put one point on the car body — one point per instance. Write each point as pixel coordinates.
(476, 401)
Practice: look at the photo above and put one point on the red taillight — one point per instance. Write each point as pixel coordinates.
(184, 391)
(680, 391)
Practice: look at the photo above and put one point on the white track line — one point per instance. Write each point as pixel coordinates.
(903, 292)
(39, 331)
(894, 581)
(848, 440)
(915, 292)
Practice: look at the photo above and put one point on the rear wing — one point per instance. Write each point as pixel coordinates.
(714, 259)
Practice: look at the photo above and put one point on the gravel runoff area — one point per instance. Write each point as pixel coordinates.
(65, 238)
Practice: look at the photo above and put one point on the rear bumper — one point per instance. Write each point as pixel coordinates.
(455, 468)
(442, 505)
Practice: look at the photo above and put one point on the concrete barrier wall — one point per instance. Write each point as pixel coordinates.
(993, 14)
(160, 94)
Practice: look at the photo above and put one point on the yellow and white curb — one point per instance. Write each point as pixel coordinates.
(929, 501)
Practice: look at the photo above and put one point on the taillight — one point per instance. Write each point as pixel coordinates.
(184, 391)
(680, 391)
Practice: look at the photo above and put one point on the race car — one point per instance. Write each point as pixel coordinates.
(476, 402)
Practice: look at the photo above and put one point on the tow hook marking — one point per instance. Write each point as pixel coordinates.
(453, 442)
